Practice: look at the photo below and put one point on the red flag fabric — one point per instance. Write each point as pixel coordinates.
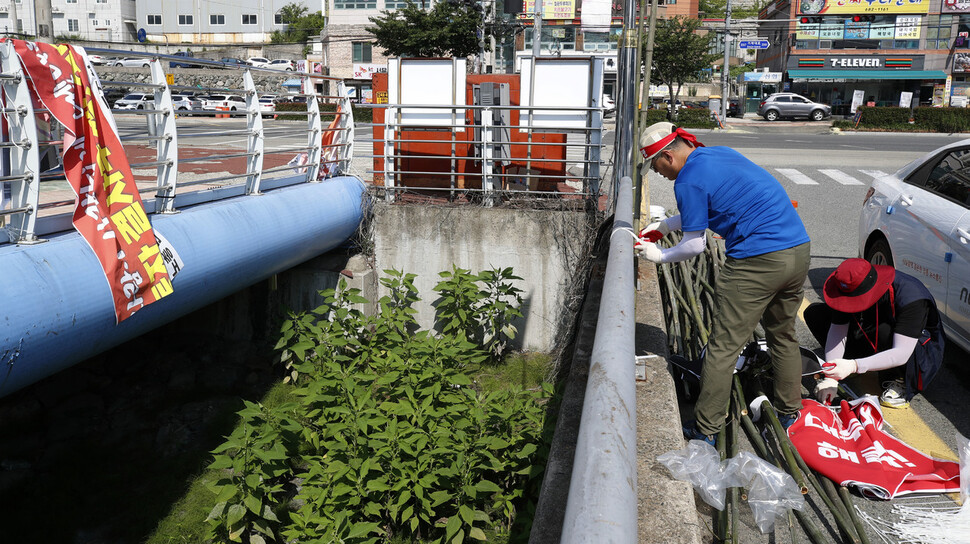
(850, 447)
(108, 209)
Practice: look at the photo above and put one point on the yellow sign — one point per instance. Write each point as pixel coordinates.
(170, 78)
(380, 97)
(553, 9)
(859, 7)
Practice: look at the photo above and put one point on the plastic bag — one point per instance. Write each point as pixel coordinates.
(700, 465)
(771, 491)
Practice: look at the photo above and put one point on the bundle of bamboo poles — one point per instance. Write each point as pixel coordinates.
(687, 291)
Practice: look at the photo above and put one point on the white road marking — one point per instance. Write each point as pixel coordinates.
(876, 174)
(796, 177)
(841, 177)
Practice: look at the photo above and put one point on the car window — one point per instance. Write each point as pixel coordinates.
(783, 99)
(798, 99)
(951, 177)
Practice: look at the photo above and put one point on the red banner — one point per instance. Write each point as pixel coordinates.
(850, 447)
(108, 210)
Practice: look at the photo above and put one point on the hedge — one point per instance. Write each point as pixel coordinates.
(926, 119)
(361, 114)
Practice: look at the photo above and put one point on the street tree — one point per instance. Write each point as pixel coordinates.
(449, 29)
(300, 24)
(680, 54)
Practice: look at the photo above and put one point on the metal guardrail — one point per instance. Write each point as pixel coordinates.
(31, 153)
(500, 163)
(602, 503)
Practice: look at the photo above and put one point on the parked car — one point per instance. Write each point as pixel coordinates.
(261, 62)
(283, 64)
(223, 102)
(609, 105)
(182, 64)
(791, 105)
(267, 104)
(97, 60)
(918, 220)
(135, 101)
(231, 62)
(186, 102)
(132, 61)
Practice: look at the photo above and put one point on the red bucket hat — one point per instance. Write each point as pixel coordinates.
(857, 285)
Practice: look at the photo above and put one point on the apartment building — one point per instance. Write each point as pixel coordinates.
(96, 20)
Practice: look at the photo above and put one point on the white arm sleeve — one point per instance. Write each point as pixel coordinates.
(897, 355)
(693, 243)
(673, 222)
(835, 341)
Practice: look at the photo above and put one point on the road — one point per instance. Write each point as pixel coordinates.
(828, 175)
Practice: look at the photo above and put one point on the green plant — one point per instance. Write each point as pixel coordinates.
(482, 315)
(384, 433)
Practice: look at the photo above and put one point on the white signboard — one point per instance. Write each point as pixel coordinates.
(858, 96)
(566, 82)
(905, 99)
(367, 71)
(428, 82)
(907, 27)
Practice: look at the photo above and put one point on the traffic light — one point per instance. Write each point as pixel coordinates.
(863, 18)
(808, 20)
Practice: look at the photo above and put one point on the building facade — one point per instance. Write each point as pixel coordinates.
(205, 22)
(95, 20)
(833, 50)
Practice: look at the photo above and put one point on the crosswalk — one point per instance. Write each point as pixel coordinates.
(820, 176)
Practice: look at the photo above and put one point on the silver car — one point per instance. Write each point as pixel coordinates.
(791, 105)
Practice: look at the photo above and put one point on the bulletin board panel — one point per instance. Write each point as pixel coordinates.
(428, 81)
(573, 83)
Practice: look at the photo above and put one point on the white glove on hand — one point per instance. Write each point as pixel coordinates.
(649, 251)
(839, 369)
(659, 226)
(826, 389)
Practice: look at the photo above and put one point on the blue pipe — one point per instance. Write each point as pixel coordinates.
(56, 306)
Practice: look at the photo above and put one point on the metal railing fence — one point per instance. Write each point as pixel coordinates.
(188, 149)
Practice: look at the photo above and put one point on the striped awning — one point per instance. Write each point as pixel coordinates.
(866, 74)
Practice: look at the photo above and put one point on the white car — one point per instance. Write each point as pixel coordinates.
(132, 61)
(260, 62)
(609, 106)
(135, 101)
(97, 60)
(223, 102)
(283, 64)
(267, 104)
(918, 220)
(184, 102)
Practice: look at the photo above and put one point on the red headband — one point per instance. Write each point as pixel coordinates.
(662, 143)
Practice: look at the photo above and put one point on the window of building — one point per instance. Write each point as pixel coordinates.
(938, 29)
(394, 4)
(217, 20)
(154, 19)
(250, 19)
(71, 2)
(186, 20)
(554, 38)
(72, 25)
(101, 1)
(355, 4)
(883, 32)
(362, 52)
(278, 18)
(20, 24)
(601, 41)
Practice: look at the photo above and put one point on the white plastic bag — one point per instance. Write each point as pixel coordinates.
(771, 491)
(700, 465)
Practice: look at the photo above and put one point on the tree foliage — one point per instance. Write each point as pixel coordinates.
(679, 53)
(300, 24)
(449, 29)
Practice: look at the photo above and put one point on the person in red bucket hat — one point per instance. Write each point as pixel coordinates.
(876, 318)
(762, 280)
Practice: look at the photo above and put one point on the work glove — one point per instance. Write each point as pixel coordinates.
(655, 231)
(649, 251)
(839, 369)
(826, 389)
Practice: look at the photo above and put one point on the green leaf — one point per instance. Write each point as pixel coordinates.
(477, 534)
(361, 529)
(269, 514)
(487, 486)
(467, 514)
(253, 504)
(256, 539)
(236, 513)
(217, 511)
(454, 523)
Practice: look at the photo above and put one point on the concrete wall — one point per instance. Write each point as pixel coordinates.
(543, 247)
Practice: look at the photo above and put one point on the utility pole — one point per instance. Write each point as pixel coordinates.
(725, 89)
(537, 29)
(648, 62)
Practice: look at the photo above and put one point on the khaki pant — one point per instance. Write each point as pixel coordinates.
(767, 288)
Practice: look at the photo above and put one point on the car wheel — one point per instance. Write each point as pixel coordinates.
(771, 115)
(879, 253)
(141, 106)
(145, 65)
(818, 115)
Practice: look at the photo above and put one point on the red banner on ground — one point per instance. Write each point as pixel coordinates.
(850, 447)
(108, 212)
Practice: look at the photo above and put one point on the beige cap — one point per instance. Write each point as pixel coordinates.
(653, 134)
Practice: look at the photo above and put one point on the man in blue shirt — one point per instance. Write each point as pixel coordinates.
(768, 255)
